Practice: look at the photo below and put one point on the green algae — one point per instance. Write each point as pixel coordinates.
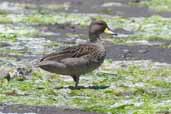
(8, 37)
(158, 5)
(130, 90)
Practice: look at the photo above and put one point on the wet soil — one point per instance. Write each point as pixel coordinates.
(63, 30)
(23, 109)
(139, 52)
(110, 7)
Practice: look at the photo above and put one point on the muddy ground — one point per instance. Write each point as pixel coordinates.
(139, 52)
(23, 109)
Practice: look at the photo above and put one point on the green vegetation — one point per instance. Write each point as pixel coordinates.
(134, 89)
(158, 5)
(7, 37)
(5, 19)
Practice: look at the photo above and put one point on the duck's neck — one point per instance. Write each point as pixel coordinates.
(94, 37)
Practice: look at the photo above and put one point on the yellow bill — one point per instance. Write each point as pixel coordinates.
(108, 31)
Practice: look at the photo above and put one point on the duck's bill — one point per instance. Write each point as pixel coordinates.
(108, 31)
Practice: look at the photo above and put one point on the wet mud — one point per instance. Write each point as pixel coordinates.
(24, 109)
(139, 52)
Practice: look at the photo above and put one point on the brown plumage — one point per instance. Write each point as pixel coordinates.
(81, 59)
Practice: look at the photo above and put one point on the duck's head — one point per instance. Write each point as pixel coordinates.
(96, 28)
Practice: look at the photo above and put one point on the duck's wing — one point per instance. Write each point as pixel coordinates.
(71, 52)
(70, 61)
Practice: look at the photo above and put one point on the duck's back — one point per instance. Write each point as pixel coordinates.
(75, 60)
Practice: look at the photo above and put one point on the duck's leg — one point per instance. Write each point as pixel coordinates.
(76, 80)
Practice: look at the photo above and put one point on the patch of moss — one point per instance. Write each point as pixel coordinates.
(5, 19)
(7, 37)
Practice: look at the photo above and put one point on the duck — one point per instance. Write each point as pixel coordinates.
(81, 59)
